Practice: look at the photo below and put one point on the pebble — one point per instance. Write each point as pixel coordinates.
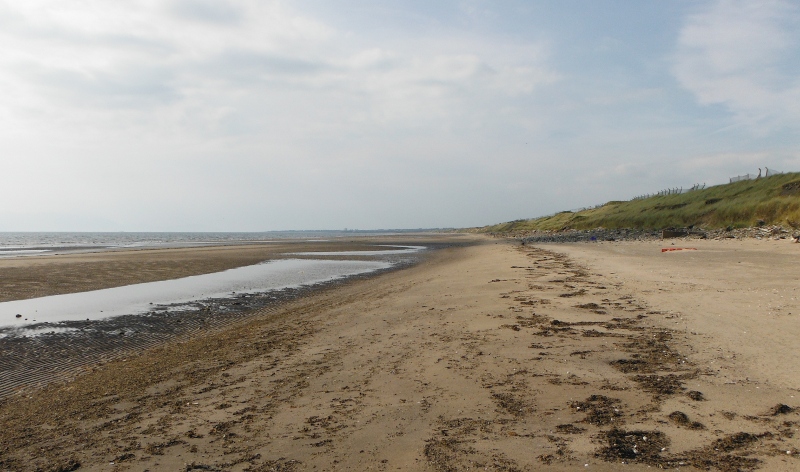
(573, 236)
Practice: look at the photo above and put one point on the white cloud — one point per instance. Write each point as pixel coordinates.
(148, 55)
(200, 114)
(743, 55)
(211, 11)
(124, 110)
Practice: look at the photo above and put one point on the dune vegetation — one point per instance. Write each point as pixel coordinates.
(773, 200)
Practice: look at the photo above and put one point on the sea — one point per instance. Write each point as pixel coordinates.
(16, 244)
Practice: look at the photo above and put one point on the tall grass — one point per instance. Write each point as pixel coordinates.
(769, 200)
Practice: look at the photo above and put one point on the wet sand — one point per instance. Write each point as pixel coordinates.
(491, 357)
(39, 276)
(62, 350)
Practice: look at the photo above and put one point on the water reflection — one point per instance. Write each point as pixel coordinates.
(141, 298)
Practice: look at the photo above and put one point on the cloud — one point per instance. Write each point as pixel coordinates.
(153, 114)
(210, 11)
(743, 56)
(103, 55)
(126, 87)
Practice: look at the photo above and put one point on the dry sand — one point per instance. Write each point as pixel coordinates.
(742, 298)
(485, 357)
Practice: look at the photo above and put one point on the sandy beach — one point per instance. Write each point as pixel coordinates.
(487, 355)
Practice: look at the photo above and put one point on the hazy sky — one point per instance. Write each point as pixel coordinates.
(203, 115)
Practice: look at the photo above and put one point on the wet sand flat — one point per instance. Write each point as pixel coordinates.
(483, 357)
(39, 276)
(30, 277)
(73, 332)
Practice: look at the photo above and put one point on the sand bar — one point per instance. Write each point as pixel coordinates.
(484, 357)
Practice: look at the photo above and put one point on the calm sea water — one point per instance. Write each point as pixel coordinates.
(38, 243)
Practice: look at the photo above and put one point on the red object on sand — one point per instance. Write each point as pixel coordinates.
(669, 249)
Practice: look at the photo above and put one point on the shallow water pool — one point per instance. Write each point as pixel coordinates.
(144, 297)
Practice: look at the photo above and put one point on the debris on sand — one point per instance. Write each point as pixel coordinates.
(696, 396)
(729, 454)
(600, 410)
(780, 409)
(736, 441)
(589, 306)
(682, 419)
(634, 446)
(512, 404)
(569, 428)
(660, 384)
(721, 455)
(632, 365)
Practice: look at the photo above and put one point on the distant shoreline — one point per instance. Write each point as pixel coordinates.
(44, 243)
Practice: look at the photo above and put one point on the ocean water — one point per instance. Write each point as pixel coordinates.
(16, 244)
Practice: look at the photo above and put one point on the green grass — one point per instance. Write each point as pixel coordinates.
(774, 200)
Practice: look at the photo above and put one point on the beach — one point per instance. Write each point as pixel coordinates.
(485, 355)
(107, 303)
(29, 277)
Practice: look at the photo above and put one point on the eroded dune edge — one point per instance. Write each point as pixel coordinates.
(491, 356)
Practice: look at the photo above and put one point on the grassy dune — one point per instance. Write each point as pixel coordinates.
(771, 200)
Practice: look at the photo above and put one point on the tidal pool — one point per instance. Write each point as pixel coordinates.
(145, 297)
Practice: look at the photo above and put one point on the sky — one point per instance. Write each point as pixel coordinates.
(244, 115)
